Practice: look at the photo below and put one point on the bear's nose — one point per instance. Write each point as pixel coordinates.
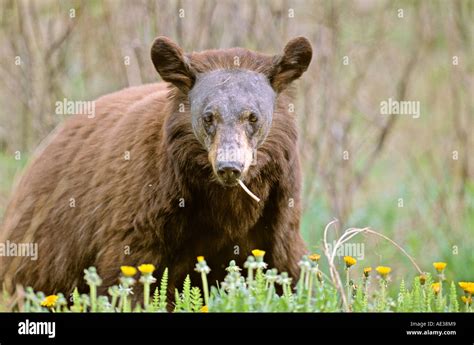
(229, 171)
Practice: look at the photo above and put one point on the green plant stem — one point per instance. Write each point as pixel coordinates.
(269, 296)
(366, 286)
(286, 291)
(306, 279)
(114, 301)
(146, 295)
(250, 276)
(310, 289)
(259, 271)
(349, 295)
(205, 288)
(124, 302)
(93, 290)
(300, 284)
(382, 294)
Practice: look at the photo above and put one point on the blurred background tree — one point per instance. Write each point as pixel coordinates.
(409, 178)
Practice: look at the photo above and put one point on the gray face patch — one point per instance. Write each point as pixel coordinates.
(232, 114)
(228, 94)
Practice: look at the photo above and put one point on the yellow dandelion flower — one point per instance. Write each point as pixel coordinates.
(49, 301)
(436, 287)
(146, 268)
(258, 253)
(350, 261)
(383, 271)
(200, 258)
(314, 257)
(367, 271)
(466, 300)
(205, 309)
(439, 266)
(128, 271)
(468, 287)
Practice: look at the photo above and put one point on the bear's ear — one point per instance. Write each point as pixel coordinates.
(291, 64)
(172, 64)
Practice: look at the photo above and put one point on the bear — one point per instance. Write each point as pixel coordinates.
(155, 175)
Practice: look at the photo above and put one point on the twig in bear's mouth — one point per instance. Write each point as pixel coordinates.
(244, 187)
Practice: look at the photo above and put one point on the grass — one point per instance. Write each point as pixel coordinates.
(420, 226)
(257, 291)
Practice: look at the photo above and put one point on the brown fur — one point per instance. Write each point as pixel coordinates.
(136, 202)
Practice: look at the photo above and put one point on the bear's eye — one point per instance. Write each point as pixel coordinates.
(208, 118)
(253, 118)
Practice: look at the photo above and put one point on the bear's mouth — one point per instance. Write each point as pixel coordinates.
(236, 182)
(228, 173)
(228, 182)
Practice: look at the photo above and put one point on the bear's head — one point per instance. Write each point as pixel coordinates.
(232, 96)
